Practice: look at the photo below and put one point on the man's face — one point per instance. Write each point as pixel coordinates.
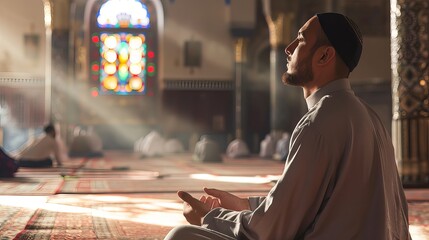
(300, 55)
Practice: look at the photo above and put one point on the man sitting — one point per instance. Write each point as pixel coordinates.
(38, 153)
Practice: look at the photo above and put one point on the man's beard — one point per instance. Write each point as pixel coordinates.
(303, 75)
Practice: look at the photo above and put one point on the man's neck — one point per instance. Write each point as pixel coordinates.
(308, 90)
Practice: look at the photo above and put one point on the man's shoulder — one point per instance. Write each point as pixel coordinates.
(336, 104)
(330, 114)
(326, 108)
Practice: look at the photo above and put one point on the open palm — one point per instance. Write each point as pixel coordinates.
(228, 200)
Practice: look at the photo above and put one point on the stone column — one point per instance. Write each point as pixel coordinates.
(284, 100)
(47, 12)
(238, 147)
(410, 91)
(61, 90)
(240, 59)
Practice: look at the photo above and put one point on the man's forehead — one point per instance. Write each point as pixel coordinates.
(310, 24)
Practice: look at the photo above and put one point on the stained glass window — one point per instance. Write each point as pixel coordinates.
(123, 14)
(123, 63)
(123, 47)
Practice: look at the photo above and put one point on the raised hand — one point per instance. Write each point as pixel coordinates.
(228, 200)
(194, 210)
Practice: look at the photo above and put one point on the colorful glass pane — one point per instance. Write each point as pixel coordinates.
(122, 61)
(123, 14)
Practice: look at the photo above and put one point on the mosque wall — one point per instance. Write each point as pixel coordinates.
(22, 49)
(201, 24)
(22, 42)
(374, 65)
(22, 71)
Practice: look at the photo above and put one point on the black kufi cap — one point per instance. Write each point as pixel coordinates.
(344, 35)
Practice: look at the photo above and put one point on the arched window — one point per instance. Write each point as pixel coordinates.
(123, 48)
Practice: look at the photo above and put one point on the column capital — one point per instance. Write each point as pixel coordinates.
(241, 50)
(60, 10)
(280, 28)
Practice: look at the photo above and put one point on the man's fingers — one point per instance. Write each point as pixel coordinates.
(215, 192)
(189, 199)
(215, 204)
(209, 201)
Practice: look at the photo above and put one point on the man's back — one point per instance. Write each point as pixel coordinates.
(364, 197)
(340, 179)
(41, 148)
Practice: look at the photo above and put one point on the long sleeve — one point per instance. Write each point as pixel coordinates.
(254, 202)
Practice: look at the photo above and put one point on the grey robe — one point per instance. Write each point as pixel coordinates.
(340, 179)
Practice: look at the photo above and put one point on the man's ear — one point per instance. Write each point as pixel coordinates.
(327, 54)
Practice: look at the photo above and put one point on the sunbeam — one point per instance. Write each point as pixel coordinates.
(149, 211)
(234, 179)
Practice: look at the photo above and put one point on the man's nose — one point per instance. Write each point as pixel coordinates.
(289, 49)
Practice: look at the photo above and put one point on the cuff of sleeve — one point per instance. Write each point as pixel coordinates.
(219, 218)
(254, 202)
(207, 219)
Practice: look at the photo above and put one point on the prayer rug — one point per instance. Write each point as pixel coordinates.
(418, 215)
(417, 194)
(128, 174)
(163, 166)
(184, 161)
(30, 186)
(47, 224)
(13, 219)
(182, 164)
(116, 185)
(98, 163)
(248, 166)
(103, 219)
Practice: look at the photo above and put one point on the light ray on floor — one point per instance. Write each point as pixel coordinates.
(233, 179)
(153, 211)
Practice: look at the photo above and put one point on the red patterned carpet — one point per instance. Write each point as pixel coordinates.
(112, 185)
(13, 219)
(103, 217)
(47, 224)
(30, 186)
(135, 200)
(418, 214)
